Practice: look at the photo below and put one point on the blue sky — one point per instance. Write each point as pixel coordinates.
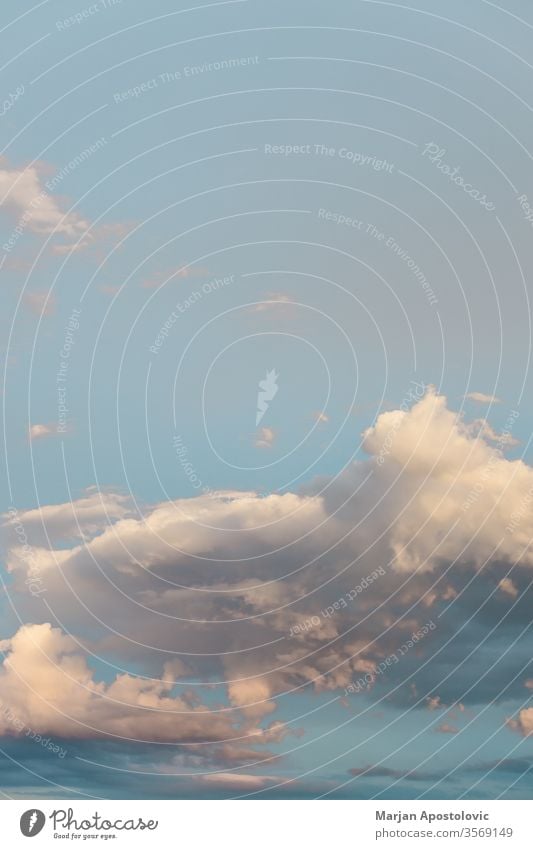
(194, 199)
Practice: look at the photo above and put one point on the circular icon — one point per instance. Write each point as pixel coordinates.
(32, 822)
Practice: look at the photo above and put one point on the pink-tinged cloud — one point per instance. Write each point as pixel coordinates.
(41, 431)
(236, 781)
(46, 683)
(225, 577)
(40, 303)
(265, 437)
(523, 723)
(482, 398)
(274, 301)
(23, 192)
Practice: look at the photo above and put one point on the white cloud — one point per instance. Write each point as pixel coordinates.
(273, 301)
(453, 494)
(87, 515)
(265, 438)
(507, 587)
(481, 427)
(40, 431)
(482, 398)
(40, 303)
(226, 577)
(22, 191)
(174, 274)
(237, 781)
(46, 683)
(33, 207)
(524, 722)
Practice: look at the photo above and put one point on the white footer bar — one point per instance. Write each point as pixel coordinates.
(264, 824)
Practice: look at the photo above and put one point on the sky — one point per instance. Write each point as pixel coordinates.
(267, 475)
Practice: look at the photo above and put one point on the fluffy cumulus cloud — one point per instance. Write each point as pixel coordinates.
(457, 493)
(86, 517)
(24, 192)
(47, 684)
(264, 597)
(29, 198)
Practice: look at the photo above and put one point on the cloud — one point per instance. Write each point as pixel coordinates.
(96, 239)
(40, 303)
(453, 493)
(446, 728)
(481, 427)
(46, 683)
(158, 278)
(238, 781)
(265, 438)
(23, 193)
(273, 301)
(370, 771)
(376, 772)
(321, 417)
(87, 516)
(507, 586)
(226, 577)
(34, 208)
(481, 398)
(40, 431)
(523, 724)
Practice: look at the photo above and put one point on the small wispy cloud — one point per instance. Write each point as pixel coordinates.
(273, 300)
(482, 398)
(40, 431)
(446, 728)
(237, 781)
(481, 427)
(97, 239)
(265, 438)
(180, 272)
(40, 303)
(507, 587)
